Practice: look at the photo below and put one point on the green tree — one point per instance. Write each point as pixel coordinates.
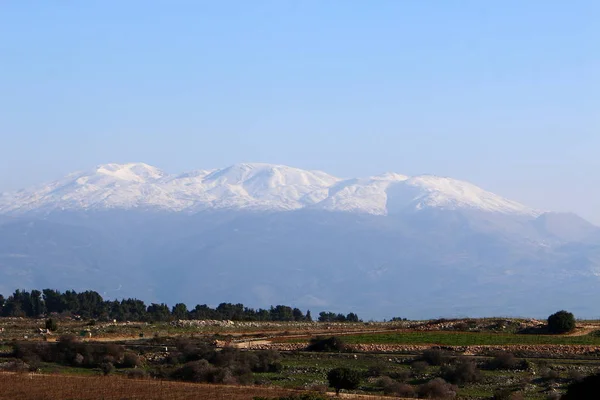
(352, 318)
(158, 312)
(54, 301)
(327, 316)
(308, 316)
(587, 389)
(298, 315)
(343, 378)
(51, 325)
(282, 313)
(561, 322)
(180, 311)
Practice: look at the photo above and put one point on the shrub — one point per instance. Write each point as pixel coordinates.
(303, 396)
(437, 389)
(419, 367)
(549, 374)
(131, 360)
(561, 322)
(137, 374)
(107, 368)
(503, 360)
(330, 345)
(588, 388)
(267, 361)
(507, 394)
(51, 325)
(392, 387)
(197, 371)
(375, 371)
(343, 378)
(400, 376)
(194, 351)
(436, 357)
(576, 375)
(462, 372)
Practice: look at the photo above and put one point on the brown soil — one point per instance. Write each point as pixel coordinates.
(60, 387)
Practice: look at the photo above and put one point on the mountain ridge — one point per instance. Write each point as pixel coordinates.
(258, 186)
(423, 246)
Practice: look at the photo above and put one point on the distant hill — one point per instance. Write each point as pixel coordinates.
(384, 246)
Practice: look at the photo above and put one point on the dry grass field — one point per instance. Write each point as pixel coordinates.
(67, 387)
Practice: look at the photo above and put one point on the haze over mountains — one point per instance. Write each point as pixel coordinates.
(261, 234)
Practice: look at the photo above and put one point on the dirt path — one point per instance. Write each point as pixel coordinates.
(584, 330)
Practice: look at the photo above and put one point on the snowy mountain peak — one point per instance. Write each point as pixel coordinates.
(135, 172)
(253, 186)
(448, 193)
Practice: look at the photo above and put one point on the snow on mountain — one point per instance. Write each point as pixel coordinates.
(447, 193)
(253, 186)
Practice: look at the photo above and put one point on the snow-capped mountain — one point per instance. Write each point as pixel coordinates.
(253, 186)
(382, 246)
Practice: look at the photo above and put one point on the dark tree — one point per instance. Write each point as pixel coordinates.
(180, 311)
(352, 317)
(587, 389)
(203, 312)
(343, 378)
(233, 312)
(282, 313)
(158, 312)
(464, 371)
(561, 322)
(327, 316)
(91, 304)
(308, 316)
(297, 314)
(329, 345)
(54, 301)
(51, 325)
(38, 307)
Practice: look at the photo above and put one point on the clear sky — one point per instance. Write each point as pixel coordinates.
(502, 93)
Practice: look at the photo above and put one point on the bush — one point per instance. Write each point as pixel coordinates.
(576, 376)
(303, 396)
(549, 374)
(504, 360)
(330, 345)
(400, 376)
(392, 387)
(436, 357)
(561, 322)
(131, 360)
(51, 325)
(137, 374)
(437, 389)
(588, 388)
(197, 371)
(267, 361)
(375, 371)
(462, 372)
(107, 368)
(507, 394)
(419, 367)
(343, 378)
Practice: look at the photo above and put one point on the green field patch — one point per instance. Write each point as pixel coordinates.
(467, 339)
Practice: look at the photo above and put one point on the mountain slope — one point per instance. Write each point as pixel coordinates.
(252, 186)
(383, 246)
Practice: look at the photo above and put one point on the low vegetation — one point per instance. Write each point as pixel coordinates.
(329, 364)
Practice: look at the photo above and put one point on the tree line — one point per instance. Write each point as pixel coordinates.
(91, 305)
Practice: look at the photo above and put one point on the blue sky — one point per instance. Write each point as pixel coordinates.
(505, 94)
